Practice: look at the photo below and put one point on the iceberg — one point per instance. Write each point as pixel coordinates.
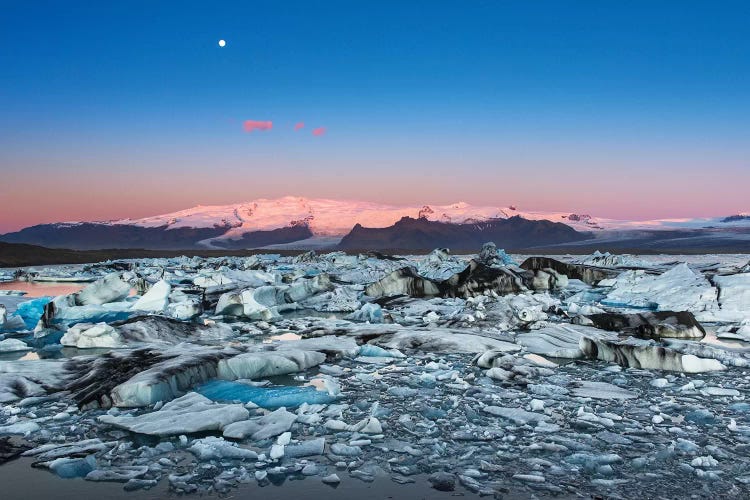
(72, 467)
(678, 289)
(62, 311)
(259, 428)
(176, 371)
(31, 311)
(733, 297)
(103, 291)
(370, 313)
(188, 414)
(492, 256)
(443, 340)
(644, 354)
(216, 448)
(254, 365)
(560, 341)
(13, 345)
(309, 448)
(86, 335)
(156, 299)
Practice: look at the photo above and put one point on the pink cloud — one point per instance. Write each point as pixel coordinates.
(250, 125)
(299, 125)
(319, 131)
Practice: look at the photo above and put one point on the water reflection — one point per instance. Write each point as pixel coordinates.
(43, 288)
(285, 337)
(734, 344)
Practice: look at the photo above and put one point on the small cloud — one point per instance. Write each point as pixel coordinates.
(250, 125)
(319, 131)
(299, 125)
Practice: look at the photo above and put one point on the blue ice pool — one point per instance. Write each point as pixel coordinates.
(265, 397)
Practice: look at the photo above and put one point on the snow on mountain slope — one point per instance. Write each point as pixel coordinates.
(334, 218)
(324, 217)
(588, 223)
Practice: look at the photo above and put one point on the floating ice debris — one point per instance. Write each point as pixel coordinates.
(607, 259)
(216, 448)
(370, 312)
(586, 273)
(20, 428)
(13, 345)
(120, 474)
(156, 299)
(646, 355)
(559, 341)
(267, 426)
(442, 481)
(110, 288)
(173, 372)
(679, 289)
(86, 335)
(440, 265)
(443, 340)
(375, 351)
(52, 451)
(490, 255)
(186, 415)
(733, 296)
(31, 311)
(656, 325)
(465, 386)
(516, 415)
(344, 450)
(403, 281)
(602, 390)
(370, 425)
(267, 364)
(72, 467)
(331, 479)
(308, 448)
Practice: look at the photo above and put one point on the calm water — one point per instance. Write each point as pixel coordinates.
(20, 481)
(41, 289)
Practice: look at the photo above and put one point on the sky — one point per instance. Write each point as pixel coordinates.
(633, 109)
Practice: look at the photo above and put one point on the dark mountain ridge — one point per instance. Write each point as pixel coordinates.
(419, 234)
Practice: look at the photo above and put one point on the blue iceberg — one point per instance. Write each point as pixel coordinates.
(370, 350)
(73, 467)
(506, 259)
(31, 311)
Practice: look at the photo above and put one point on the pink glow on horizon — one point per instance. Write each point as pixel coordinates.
(251, 125)
(319, 131)
(299, 125)
(59, 196)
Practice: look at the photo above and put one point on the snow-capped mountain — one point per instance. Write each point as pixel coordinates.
(324, 222)
(326, 217)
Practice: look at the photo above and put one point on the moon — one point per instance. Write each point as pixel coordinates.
(222, 43)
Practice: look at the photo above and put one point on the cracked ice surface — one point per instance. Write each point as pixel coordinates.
(473, 372)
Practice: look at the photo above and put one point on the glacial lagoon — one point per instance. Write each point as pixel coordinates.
(417, 376)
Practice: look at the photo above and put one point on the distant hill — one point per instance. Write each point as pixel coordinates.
(21, 255)
(91, 236)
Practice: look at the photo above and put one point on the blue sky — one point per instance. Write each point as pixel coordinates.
(621, 109)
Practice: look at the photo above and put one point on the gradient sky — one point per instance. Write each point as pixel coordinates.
(619, 109)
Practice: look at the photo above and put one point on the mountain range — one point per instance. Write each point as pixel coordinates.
(302, 223)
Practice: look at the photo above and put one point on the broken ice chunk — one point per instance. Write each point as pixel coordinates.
(189, 414)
